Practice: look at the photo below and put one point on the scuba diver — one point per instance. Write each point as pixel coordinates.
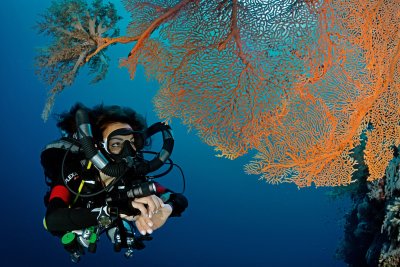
(100, 180)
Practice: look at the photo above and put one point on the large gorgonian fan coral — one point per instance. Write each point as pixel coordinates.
(298, 81)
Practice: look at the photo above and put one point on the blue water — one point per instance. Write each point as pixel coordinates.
(233, 219)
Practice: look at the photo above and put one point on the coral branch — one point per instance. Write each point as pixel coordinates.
(234, 33)
(105, 42)
(169, 14)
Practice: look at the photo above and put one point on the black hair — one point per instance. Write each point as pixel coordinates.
(100, 116)
(66, 120)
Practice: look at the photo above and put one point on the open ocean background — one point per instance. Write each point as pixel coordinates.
(233, 219)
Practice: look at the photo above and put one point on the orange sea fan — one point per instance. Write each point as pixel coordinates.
(297, 81)
(332, 68)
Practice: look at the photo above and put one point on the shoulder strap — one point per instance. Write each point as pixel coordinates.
(66, 143)
(53, 154)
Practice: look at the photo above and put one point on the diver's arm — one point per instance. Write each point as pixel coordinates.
(177, 201)
(61, 218)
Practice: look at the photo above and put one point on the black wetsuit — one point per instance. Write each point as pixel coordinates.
(66, 211)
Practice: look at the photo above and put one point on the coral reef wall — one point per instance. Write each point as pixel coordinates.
(372, 229)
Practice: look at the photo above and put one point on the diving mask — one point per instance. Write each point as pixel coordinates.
(123, 142)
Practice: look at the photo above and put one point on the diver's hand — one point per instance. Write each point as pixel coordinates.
(161, 216)
(143, 223)
(147, 206)
(147, 225)
(153, 202)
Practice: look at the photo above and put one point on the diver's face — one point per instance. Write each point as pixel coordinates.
(114, 136)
